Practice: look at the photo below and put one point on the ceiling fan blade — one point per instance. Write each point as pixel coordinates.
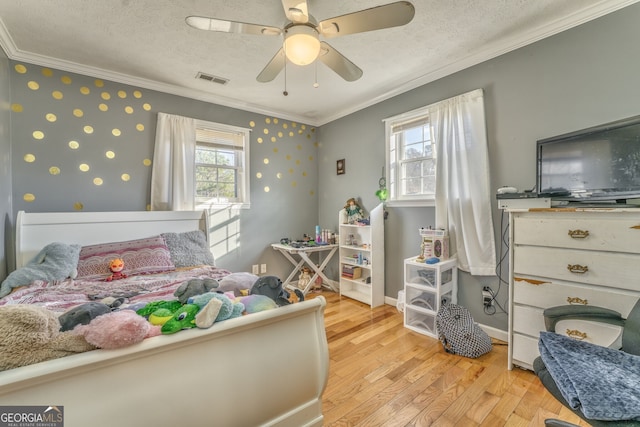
(212, 24)
(376, 18)
(296, 11)
(273, 68)
(339, 63)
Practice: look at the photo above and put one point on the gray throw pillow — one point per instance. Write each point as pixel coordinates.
(189, 248)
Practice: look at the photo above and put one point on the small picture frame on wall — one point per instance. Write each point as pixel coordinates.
(340, 167)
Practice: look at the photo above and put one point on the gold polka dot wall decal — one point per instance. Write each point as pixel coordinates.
(252, 123)
(275, 150)
(57, 95)
(28, 197)
(29, 158)
(299, 147)
(308, 136)
(273, 139)
(290, 170)
(311, 158)
(294, 184)
(275, 121)
(291, 134)
(146, 162)
(38, 134)
(122, 94)
(140, 127)
(311, 192)
(297, 162)
(103, 107)
(303, 127)
(285, 126)
(33, 85)
(279, 134)
(267, 120)
(304, 174)
(294, 124)
(137, 94)
(47, 72)
(78, 206)
(288, 157)
(98, 83)
(146, 107)
(266, 161)
(98, 181)
(125, 177)
(51, 117)
(74, 145)
(128, 109)
(105, 95)
(300, 132)
(259, 175)
(21, 69)
(16, 108)
(116, 132)
(85, 90)
(88, 129)
(110, 154)
(54, 170)
(259, 140)
(78, 112)
(279, 175)
(266, 131)
(66, 80)
(267, 189)
(84, 167)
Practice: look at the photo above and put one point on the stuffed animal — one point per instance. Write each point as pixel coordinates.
(31, 334)
(271, 286)
(194, 287)
(116, 266)
(183, 318)
(116, 329)
(256, 303)
(238, 283)
(228, 308)
(56, 261)
(82, 314)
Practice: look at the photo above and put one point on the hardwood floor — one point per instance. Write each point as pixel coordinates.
(382, 374)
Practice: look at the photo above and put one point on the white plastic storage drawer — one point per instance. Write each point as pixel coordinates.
(419, 320)
(417, 296)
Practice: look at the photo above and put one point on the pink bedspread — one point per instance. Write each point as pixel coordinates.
(61, 295)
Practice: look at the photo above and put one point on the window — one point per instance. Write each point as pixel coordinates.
(411, 159)
(221, 165)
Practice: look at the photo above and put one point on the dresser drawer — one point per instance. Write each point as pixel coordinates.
(598, 268)
(525, 350)
(587, 230)
(537, 293)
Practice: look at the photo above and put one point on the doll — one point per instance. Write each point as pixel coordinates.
(354, 211)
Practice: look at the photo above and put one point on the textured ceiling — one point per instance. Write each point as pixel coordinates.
(147, 43)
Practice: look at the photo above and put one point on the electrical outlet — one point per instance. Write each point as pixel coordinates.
(487, 296)
(255, 269)
(263, 268)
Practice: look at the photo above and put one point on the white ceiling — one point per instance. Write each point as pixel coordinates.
(146, 43)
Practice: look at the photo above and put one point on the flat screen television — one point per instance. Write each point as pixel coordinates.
(598, 164)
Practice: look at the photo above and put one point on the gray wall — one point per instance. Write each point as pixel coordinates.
(582, 77)
(55, 107)
(5, 167)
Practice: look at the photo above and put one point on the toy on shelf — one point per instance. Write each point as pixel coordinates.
(352, 212)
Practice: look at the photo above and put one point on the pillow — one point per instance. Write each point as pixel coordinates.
(189, 248)
(141, 256)
(237, 282)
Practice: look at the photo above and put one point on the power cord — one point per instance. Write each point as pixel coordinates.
(489, 307)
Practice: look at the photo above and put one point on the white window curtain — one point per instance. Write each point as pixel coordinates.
(463, 197)
(172, 174)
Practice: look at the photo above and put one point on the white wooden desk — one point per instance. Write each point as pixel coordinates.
(303, 254)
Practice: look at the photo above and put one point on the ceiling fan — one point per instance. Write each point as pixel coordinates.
(302, 45)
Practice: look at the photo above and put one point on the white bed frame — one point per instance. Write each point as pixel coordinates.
(268, 368)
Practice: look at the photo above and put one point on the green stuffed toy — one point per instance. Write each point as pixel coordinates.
(183, 318)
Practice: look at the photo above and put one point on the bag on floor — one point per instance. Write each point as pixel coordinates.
(458, 332)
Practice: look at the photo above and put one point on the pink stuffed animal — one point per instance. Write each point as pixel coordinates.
(117, 329)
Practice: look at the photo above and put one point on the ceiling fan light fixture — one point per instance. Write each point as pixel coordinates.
(301, 44)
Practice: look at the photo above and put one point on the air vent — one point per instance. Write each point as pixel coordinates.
(212, 79)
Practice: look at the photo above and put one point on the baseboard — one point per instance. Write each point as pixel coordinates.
(496, 333)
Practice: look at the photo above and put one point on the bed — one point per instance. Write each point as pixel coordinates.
(267, 368)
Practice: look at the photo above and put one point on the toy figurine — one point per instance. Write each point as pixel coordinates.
(354, 211)
(116, 266)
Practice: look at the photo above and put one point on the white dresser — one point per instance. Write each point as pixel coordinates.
(570, 256)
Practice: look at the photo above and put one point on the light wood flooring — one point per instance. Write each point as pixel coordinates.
(382, 374)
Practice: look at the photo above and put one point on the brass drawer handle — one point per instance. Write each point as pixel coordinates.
(577, 300)
(578, 234)
(577, 268)
(576, 334)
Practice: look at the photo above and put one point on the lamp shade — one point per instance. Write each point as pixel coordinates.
(301, 44)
